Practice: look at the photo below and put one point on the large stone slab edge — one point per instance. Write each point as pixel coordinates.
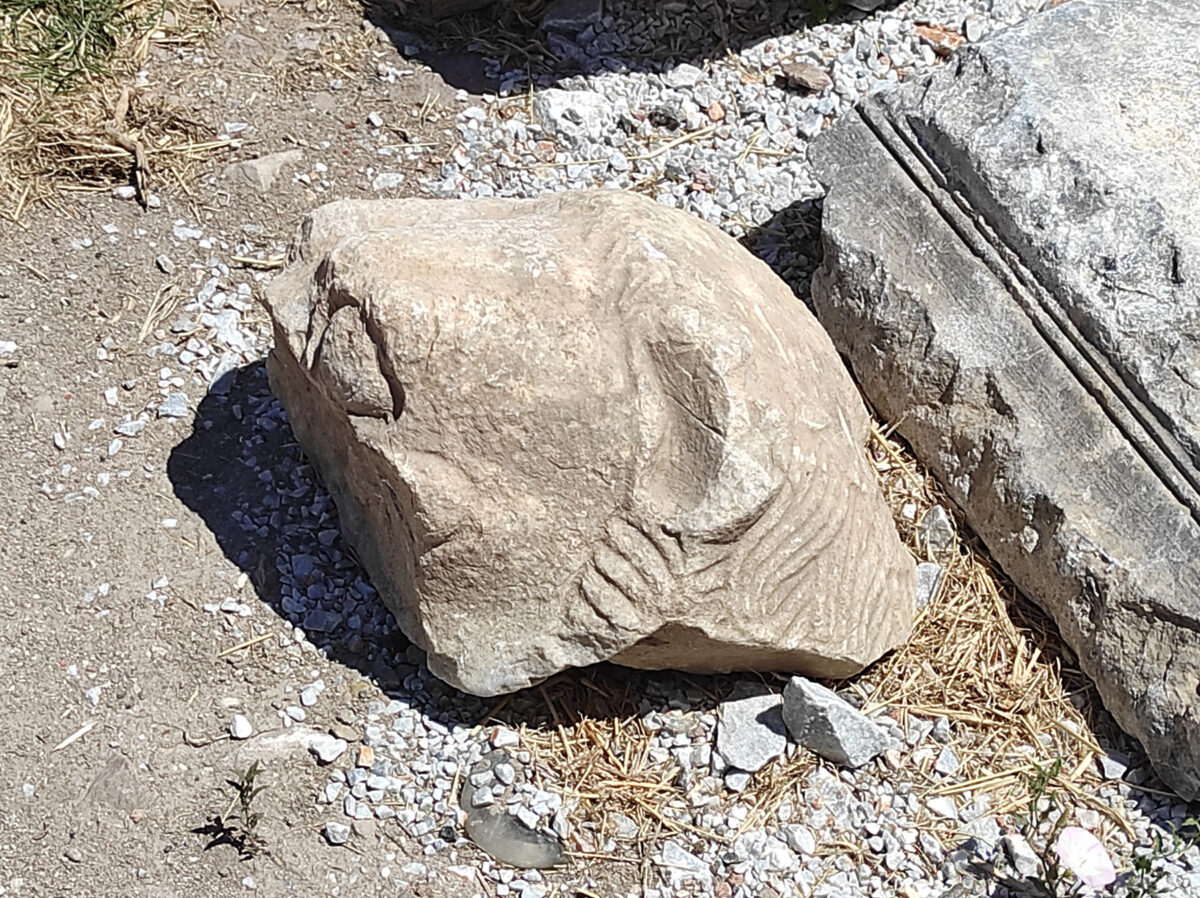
(1061, 461)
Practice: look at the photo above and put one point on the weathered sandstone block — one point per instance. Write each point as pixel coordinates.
(581, 428)
(1012, 266)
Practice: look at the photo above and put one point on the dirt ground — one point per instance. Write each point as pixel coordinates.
(141, 683)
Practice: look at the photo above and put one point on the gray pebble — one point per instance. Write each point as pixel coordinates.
(929, 578)
(751, 732)
(800, 839)
(1113, 765)
(947, 761)
(941, 729)
(736, 780)
(240, 728)
(1020, 854)
(174, 406)
(936, 529)
(943, 806)
(821, 721)
(387, 180)
(482, 797)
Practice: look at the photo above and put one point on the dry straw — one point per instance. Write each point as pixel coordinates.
(69, 116)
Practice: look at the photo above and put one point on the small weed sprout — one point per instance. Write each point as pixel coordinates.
(1038, 784)
(1146, 878)
(1043, 803)
(241, 827)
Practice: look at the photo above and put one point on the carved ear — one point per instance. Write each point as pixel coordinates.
(721, 459)
(346, 365)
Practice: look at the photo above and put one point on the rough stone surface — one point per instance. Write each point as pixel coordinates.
(751, 733)
(1012, 266)
(606, 431)
(821, 721)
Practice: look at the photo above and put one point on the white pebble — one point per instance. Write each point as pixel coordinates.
(240, 728)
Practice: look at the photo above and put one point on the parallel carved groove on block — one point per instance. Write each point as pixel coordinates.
(1034, 328)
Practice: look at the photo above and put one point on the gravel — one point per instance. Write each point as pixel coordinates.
(929, 578)
(941, 729)
(328, 748)
(947, 761)
(943, 806)
(175, 405)
(800, 839)
(571, 16)
(387, 181)
(936, 529)
(751, 733)
(1113, 765)
(681, 865)
(722, 136)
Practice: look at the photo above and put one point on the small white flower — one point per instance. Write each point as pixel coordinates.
(1084, 856)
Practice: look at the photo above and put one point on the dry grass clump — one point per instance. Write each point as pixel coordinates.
(979, 655)
(66, 121)
(984, 657)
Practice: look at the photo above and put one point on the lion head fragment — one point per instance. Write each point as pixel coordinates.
(585, 428)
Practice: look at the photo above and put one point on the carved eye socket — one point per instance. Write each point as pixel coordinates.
(347, 366)
(718, 466)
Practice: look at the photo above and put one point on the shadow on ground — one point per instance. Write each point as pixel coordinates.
(505, 45)
(790, 243)
(243, 473)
